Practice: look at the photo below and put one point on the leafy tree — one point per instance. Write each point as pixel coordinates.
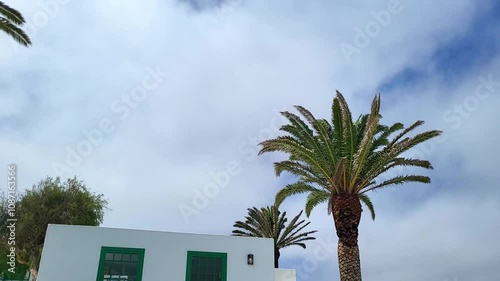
(339, 162)
(10, 20)
(51, 202)
(269, 222)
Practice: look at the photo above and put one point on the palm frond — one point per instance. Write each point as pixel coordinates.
(366, 200)
(15, 32)
(407, 162)
(348, 133)
(307, 114)
(299, 169)
(337, 125)
(400, 180)
(386, 132)
(322, 137)
(324, 131)
(360, 125)
(366, 142)
(406, 131)
(11, 14)
(293, 147)
(293, 235)
(314, 199)
(293, 189)
(408, 143)
(297, 150)
(300, 131)
(339, 177)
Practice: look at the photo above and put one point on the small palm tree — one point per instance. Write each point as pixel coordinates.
(269, 222)
(339, 162)
(10, 20)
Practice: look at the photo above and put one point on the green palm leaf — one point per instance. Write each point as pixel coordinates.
(293, 189)
(15, 32)
(10, 20)
(314, 199)
(11, 14)
(366, 200)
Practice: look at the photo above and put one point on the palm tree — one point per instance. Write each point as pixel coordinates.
(10, 19)
(339, 163)
(269, 222)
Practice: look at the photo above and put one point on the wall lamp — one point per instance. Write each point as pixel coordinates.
(250, 259)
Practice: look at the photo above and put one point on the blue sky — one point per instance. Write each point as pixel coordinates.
(454, 60)
(202, 87)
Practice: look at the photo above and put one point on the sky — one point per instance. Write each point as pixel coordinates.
(160, 105)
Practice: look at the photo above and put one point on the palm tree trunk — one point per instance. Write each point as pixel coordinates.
(346, 215)
(276, 257)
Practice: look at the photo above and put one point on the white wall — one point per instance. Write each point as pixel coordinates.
(72, 253)
(281, 274)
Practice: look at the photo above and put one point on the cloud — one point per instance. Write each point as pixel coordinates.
(228, 76)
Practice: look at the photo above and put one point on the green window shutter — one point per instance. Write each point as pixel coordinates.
(120, 264)
(206, 266)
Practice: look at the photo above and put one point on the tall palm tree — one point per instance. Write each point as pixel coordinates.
(10, 20)
(339, 162)
(269, 222)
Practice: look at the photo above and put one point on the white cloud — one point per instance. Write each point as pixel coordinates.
(227, 77)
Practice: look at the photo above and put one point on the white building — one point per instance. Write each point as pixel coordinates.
(85, 253)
